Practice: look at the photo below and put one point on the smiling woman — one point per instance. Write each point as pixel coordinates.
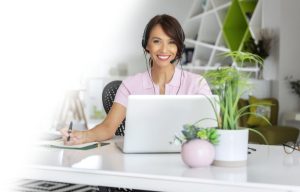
(162, 42)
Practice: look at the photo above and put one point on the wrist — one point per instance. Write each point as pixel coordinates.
(88, 136)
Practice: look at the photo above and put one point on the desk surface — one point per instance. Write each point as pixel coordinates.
(268, 169)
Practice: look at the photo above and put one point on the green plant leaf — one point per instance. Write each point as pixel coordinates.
(230, 84)
(259, 133)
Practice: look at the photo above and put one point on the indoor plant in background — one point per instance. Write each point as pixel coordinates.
(197, 145)
(295, 85)
(230, 84)
(261, 47)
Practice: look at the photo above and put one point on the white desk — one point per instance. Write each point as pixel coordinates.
(269, 169)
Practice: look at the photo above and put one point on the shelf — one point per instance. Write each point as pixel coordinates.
(193, 43)
(220, 44)
(247, 7)
(220, 3)
(248, 69)
(221, 14)
(207, 45)
(203, 14)
(235, 26)
(247, 35)
(209, 34)
(191, 29)
(199, 68)
(218, 58)
(255, 24)
(218, 26)
(236, 23)
(202, 54)
(197, 8)
(208, 6)
(192, 67)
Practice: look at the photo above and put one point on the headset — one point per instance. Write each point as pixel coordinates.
(177, 58)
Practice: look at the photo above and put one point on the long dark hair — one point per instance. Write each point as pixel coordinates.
(171, 27)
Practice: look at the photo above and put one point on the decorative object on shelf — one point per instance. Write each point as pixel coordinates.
(230, 84)
(197, 145)
(295, 85)
(260, 46)
(188, 52)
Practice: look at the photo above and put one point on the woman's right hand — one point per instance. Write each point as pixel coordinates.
(76, 137)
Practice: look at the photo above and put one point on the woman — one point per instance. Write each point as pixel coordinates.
(163, 41)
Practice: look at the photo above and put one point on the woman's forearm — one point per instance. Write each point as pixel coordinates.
(106, 130)
(99, 133)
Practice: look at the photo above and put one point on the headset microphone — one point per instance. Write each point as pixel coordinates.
(173, 61)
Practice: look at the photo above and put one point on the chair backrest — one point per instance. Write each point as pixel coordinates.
(274, 111)
(108, 96)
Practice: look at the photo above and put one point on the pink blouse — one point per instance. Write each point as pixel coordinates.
(183, 82)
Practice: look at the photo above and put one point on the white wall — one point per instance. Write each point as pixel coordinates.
(281, 16)
(289, 54)
(47, 47)
(50, 46)
(271, 21)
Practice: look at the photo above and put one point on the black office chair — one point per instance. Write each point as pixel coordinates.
(108, 96)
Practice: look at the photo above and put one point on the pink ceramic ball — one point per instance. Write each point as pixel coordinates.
(197, 153)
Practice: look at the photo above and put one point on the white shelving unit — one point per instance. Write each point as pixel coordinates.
(255, 24)
(204, 33)
(203, 30)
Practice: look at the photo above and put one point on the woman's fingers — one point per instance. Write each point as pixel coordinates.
(64, 132)
(75, 138)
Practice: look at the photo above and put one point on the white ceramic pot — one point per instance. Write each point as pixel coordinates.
(232, 149)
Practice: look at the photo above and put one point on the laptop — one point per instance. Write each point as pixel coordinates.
(153, 120)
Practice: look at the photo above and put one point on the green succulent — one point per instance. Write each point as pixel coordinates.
(192, 131)
(209, 134)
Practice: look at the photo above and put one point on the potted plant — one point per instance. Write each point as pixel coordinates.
(295, 85)
(230, 84)
(260, 46)
(197, 145)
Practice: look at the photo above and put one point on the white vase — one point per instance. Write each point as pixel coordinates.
(232, 149)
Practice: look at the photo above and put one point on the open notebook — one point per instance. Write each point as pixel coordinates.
(60, 144)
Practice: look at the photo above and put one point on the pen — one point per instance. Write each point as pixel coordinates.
(70, 130)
